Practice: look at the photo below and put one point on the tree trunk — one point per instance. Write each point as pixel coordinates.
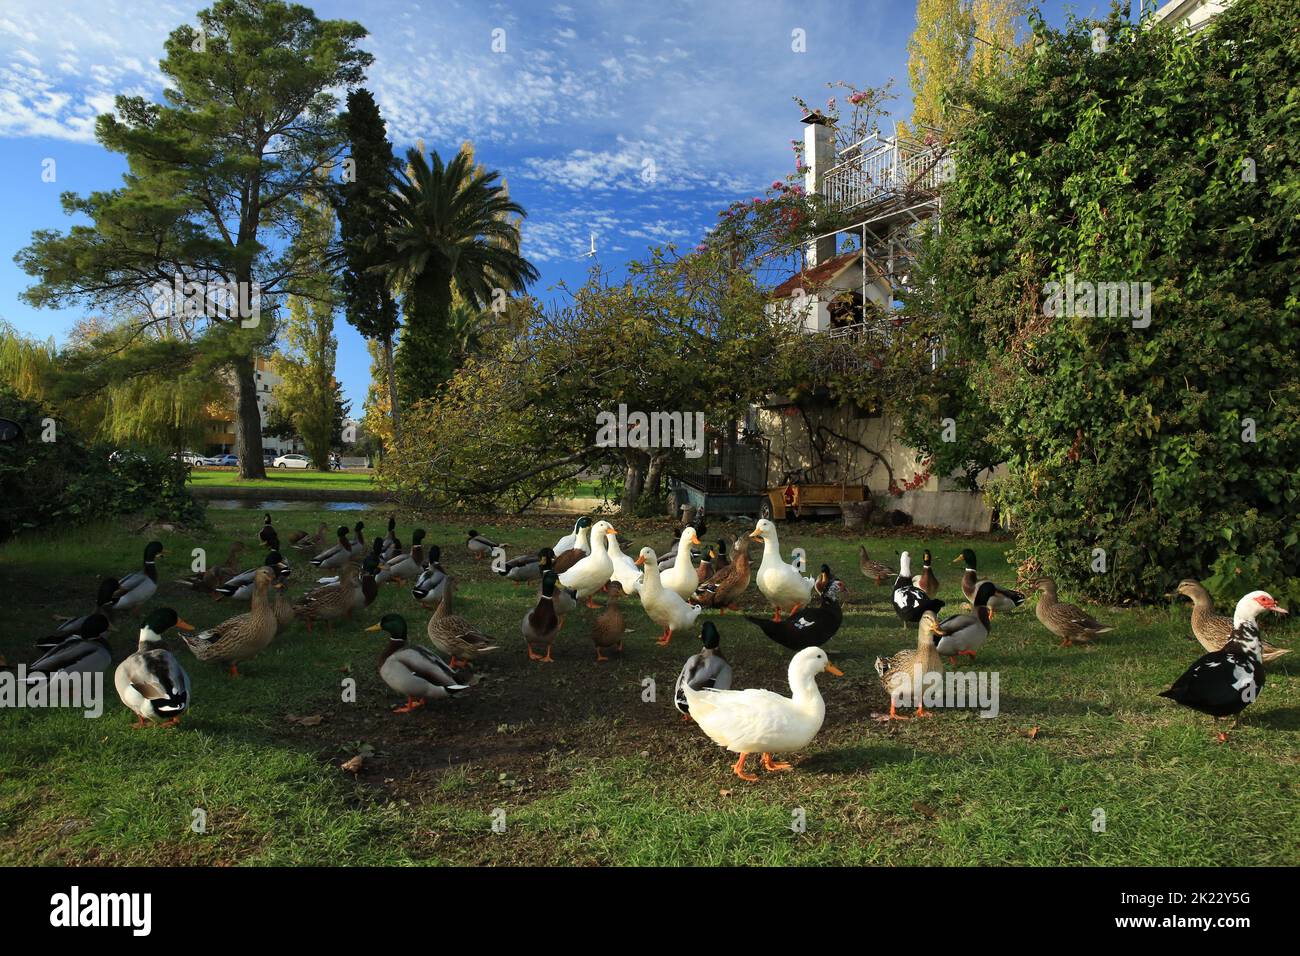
(654, 474)
(392, 388)
(248, 421)
(633, 480)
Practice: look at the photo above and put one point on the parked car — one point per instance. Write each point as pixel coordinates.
(222, 461)
(293, 461)
(189, 457)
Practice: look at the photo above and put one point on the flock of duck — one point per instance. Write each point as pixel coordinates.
(673, 591)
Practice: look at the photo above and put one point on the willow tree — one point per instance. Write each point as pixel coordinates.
(215, 174)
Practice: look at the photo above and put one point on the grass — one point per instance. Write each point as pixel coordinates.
(586, 772)
(278, 478)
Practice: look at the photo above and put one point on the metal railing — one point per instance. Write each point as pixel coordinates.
(875, 169)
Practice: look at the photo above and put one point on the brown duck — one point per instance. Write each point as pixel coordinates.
(242, 637)
(927, 581)
(607, 629)
(726, 587)
(1213, 630)
(1071, 624)
(453, 635)
(873, 570)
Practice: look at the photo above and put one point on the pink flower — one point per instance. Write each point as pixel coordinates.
(856, 98)
(777, 184)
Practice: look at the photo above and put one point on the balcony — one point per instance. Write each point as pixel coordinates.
(874, 172)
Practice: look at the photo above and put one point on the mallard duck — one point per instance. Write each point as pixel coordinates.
(566, 599)
(391, 547)
(704, 570)
(625, 571)
(607, 630)
(591, 573)
(781, 583)
(910, 602)
(413, 670)
(139, 586)
(926, 580)
(455, 636)
(312, 542)
(580, 548)
(721, 558)
(725, 588)
(759, 721)
(682, 577)
(359, 545)
(296, 538)
(75, 626)
(904, 675)
(964, 634)
(874, 570)
(1223, 683)
(336, 555)
(479, 546)
(542, 624)
(663, 606)
(1214, 630)
(811, 626)
(708, 668)
(371, 560)
(330, 602)
(1002, 600)
(526, 567)
(151, 682)
(209, 579)
(405, 566)
(575, 538)
(243, 637)
(267, 533)
(1071, 624)
(429, 586)
(240, 587)
(86, 652)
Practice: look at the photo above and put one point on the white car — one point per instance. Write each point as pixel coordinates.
(293, 461)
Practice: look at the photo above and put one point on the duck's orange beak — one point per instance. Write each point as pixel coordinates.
(374, 627)
(834, 670)
(639, 562)
(184, 625)
(955, 560)
(695, 539)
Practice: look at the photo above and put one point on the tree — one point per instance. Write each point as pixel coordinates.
(1148, 428)
(360, 203)
(216, 173)
(448, 226)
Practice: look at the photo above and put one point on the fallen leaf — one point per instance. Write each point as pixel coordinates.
(310, 721)
(724, 793)
(355, 764)
(924, 809)
(1031, 733)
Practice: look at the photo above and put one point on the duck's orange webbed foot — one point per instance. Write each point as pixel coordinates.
(739, 770)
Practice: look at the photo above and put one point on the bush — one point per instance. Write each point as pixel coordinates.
(66, 481)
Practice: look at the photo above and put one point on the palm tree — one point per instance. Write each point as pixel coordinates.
(448, 224)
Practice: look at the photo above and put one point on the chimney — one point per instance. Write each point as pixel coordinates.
(818, 156)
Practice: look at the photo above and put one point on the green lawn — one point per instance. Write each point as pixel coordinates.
(586, 772)
(284, 478)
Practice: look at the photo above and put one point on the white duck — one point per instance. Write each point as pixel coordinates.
(663, 606)
(591, 573)
(682, 576)
(578, 538)
(625, 572)
(781, 583)
(759, 721)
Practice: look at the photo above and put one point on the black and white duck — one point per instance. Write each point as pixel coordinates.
(810, 626)
(911, 601)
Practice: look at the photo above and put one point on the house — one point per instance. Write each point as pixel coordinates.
(219, 434)
(1191, 15)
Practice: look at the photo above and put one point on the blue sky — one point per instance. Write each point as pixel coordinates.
(583, 96)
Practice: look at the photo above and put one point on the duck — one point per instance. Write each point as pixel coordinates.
(910, 602)
(136, 588)
(1002, 600)
(455, 636)
(1213, 631)
(429, 585)
(479, 546)
(413, 670)
(240, 587)
(781, 583)
(926, 580)
(399, 568)
(364, 560)
(267, 533)
(573, 539)
(591, 573)
(581, 547)
(873, 570)
(664, 607)
(207, 580)
(708, 668)
(905, 674)
(759, 721)
(337, 554)
(312, 542)
(725, 588)
(682, 577)
(330, 602)
(721, 557)
(243, 637)
(69, 627)
(1071, 624)
(358, 550)
(566, 599)
(86, 652)
(392, 546)
(542, 624)
(151, 682)
(1223, 683)
(607, 630)
(964, 634)
(625, 571)
(526, 567)
(811, 626)
(704, 570)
